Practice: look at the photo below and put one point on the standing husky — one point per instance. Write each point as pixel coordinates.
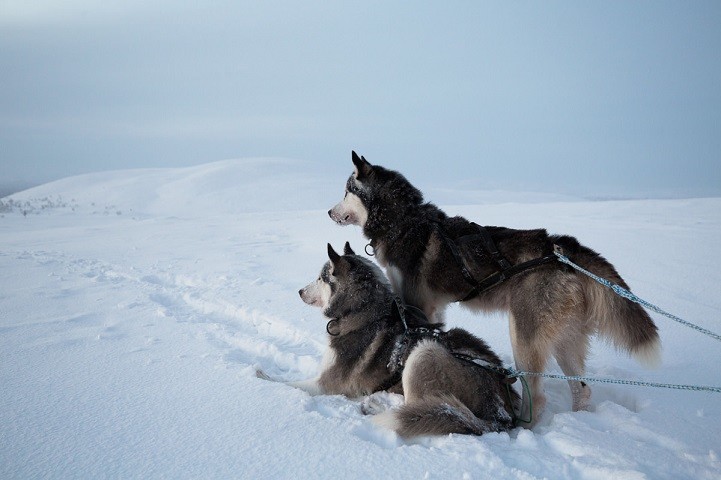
(376, 344)
(433, 259)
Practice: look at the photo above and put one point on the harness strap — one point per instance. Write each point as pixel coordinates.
(457, 254)
(491, 248)
(499, 277)
(506, 269)
(483, 363)
(404, 341)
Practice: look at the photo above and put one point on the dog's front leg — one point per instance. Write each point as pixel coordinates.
(311, 386)
(529, 356)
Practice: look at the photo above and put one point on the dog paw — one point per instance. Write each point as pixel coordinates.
(370, 406)
(379, 402)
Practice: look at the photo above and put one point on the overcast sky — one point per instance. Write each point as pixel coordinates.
(598, 98)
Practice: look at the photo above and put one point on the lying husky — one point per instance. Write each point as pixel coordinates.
(450, 380)
(433, 259)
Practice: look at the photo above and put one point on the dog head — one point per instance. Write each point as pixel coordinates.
(373, 193)
(346, 283)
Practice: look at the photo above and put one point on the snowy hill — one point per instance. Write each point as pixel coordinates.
(136, 305)
(229, 186)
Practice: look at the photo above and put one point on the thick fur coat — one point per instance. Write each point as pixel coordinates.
(374, 346)
(553, 310)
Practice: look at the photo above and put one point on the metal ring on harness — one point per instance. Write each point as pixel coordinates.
(327, 327)
(372, 253)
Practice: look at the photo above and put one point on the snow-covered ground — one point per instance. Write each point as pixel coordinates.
(135, 307)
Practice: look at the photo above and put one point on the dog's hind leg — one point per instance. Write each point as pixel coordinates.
(530, 354)
(435, 384)
(570, 354)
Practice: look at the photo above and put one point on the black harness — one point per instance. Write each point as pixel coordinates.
(419, 329)
(505, 269)
(406, 340)
(411, 335)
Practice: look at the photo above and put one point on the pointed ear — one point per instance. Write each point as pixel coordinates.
(362, 166)
(334, 257)
(347, 250)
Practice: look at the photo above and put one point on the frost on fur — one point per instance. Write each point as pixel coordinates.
(349, 211)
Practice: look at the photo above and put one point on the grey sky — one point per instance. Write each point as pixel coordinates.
(599, 98)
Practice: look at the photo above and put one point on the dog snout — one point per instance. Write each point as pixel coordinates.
(300, 292)
(333, 214)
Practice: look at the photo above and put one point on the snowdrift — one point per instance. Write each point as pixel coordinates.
(136, 305)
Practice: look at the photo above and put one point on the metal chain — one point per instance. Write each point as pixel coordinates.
(630, 296)
(700, 388)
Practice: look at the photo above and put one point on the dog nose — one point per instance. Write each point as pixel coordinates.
(300, 292)
(330, 214)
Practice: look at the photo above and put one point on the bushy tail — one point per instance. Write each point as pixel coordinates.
(626, 324)
(622, 321)
(435, 415)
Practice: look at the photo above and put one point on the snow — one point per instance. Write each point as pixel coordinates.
(135, 307)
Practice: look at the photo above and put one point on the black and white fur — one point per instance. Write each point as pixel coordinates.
(443, 393)
(552, 309)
